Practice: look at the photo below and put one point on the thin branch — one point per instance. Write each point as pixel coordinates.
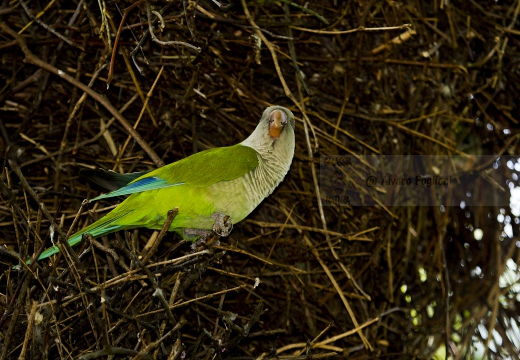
(31, 59)
(49, 29)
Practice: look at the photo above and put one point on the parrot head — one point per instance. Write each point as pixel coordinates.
(274, 132)
(277, 122)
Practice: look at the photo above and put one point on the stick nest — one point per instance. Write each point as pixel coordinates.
(301, 277)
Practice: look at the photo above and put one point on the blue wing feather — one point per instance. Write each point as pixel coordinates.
(144, 184)
(110, 180)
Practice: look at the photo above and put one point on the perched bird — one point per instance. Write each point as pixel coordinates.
(228, 182)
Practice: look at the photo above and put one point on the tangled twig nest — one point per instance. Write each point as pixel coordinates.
(131, 87)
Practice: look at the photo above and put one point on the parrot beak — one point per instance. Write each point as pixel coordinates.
(277, 121)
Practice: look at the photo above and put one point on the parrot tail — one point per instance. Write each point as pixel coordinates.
(101, 227)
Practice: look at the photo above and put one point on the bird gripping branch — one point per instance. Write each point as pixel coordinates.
(221, 183)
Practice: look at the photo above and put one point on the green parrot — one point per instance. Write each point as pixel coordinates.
(207, 186)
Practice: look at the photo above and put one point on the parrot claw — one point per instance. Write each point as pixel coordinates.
(223, 224)
(206, 238)
(221, 228)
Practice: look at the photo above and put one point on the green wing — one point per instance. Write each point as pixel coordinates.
(198, 170)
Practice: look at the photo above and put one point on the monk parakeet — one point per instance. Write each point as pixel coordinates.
(229, 181)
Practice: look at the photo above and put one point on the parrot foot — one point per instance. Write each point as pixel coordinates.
(205, 238)
(193, 234)
(223, 224)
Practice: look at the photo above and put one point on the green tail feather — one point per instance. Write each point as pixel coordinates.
(96, 229)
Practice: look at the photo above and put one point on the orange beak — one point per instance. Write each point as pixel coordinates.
(277, 121)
